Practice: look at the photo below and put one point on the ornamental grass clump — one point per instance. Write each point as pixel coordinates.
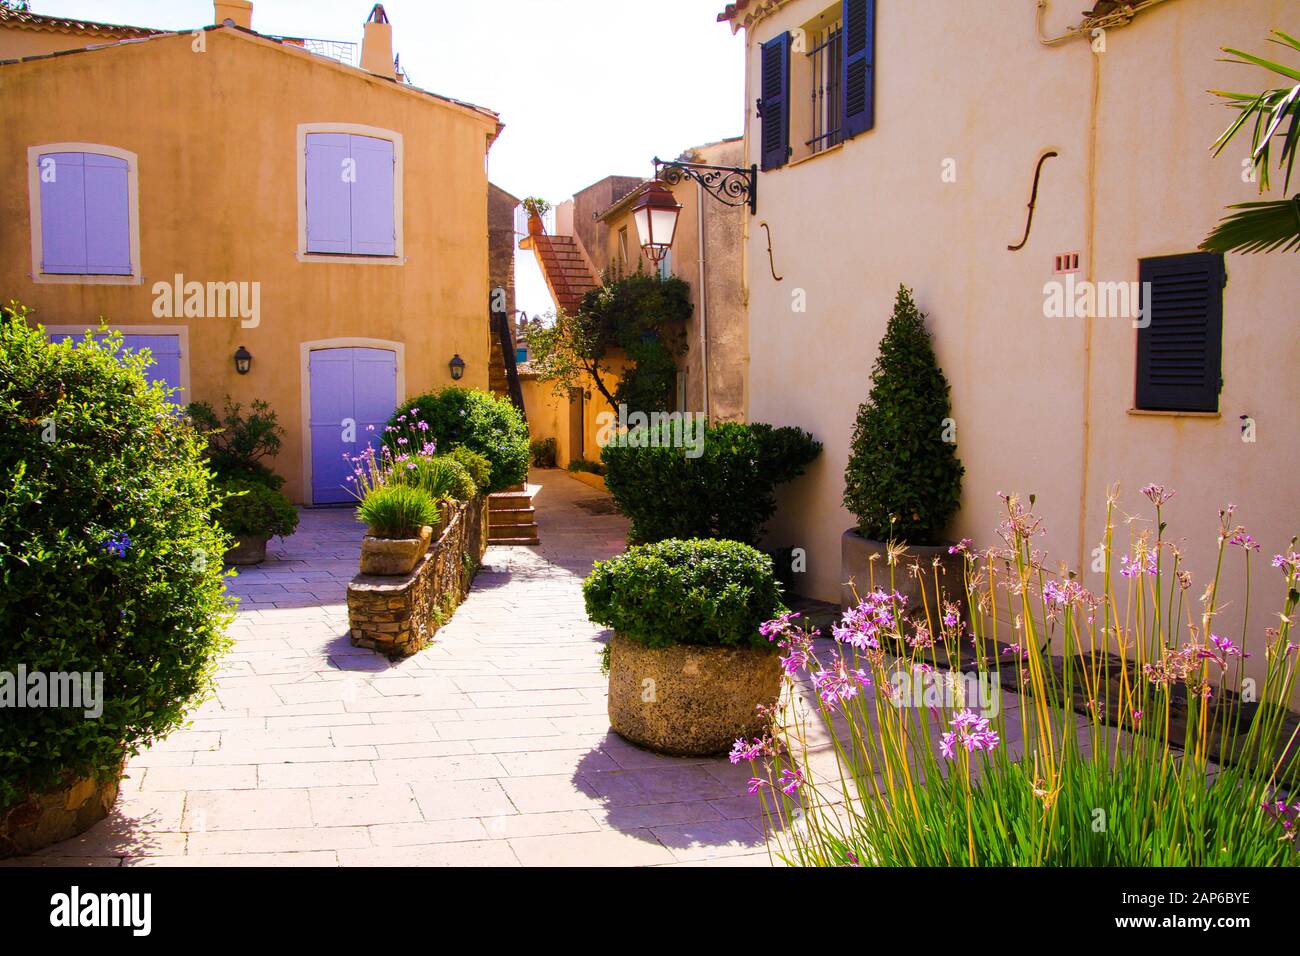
(398, 511)
(1149, 748)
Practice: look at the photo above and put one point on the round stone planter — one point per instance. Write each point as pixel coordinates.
(249, 549)
(393, 556)
(689, 701)
(856, 566)
(56, 815)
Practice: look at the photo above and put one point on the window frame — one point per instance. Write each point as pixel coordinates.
(398, 257)
(36, 214)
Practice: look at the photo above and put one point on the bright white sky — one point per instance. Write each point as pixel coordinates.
(586, 88)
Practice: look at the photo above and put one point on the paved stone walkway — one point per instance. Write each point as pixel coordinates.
(490, 748)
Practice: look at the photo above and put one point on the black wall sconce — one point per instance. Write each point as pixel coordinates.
(457, 366)
(243, 360)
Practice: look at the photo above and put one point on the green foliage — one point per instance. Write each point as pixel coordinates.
(238, 443)
(250, 508)
(398, 510)
(543, 452)
(442, 477)
(700, 592)
(729, 491)
(903, 480)
(591, 467)
(109, 557)
(478, 466)
(478, 420)
(641, 316)
(536, 206)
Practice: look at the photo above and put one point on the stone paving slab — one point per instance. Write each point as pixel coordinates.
(489, 748)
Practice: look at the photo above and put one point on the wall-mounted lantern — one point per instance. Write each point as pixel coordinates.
(457, 366)
(243, 360)
(655, 214)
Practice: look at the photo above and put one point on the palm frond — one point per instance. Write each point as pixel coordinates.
(1258, 227)
(1269, 110)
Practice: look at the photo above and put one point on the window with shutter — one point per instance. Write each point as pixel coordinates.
(1180, 349)
(858, 86)
(774, 101)
(351, 194)
(85, 213)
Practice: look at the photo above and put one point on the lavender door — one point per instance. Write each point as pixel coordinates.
(164, 357)
(352, 389)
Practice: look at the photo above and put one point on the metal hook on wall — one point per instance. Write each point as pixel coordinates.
(1033, 199)
(771, 263)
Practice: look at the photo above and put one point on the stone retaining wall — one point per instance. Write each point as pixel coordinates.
(60, 814)
(398, 616)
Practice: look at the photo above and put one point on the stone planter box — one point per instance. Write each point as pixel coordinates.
(249, 549)
(393, 556)
(398, 615)
(689, 701)
(46, 818)
(856, 566)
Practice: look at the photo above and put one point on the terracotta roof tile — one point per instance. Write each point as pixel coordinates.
(39, 21)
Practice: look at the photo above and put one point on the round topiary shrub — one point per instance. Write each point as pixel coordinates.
(250, 508)
(699, 592)
(479, 468)
(111, 560)
(478, 420)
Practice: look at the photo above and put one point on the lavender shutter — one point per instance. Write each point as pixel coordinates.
(108, 216)
(774, 104)
(329, 194)
(63, 213)
(331, 404)
(372, 197)
(858, 82)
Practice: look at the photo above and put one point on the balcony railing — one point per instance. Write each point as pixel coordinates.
(339, 50)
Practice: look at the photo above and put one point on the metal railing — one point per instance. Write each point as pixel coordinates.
(827, 104)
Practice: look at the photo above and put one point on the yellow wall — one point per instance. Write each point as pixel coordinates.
(548, 413)
(216, 138)
(1039, 408)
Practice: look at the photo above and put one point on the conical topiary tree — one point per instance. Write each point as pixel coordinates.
(903, 480)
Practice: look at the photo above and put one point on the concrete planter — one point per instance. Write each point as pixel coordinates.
(45, 818)
(249, 549)
(393, 556)
(856, 566)
(689, 701)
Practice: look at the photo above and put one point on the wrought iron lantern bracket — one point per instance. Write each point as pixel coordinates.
(731, 185)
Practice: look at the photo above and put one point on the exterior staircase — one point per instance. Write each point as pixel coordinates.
(511, 517)
(567, 271)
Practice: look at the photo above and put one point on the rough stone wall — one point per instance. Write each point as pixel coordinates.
(60, 814)
(398, 616)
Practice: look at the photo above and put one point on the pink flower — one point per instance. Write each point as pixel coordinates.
(970, 731)
(743, 750)
(790, 780)
(839, 683)
(1157, 494)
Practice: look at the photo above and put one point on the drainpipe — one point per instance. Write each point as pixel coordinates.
(704, 300)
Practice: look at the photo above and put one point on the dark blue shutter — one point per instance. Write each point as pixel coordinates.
(858, 84)
(1179, 352)
(774, 101)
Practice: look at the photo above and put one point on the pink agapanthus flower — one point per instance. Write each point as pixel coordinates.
(745, 750)
(970, 731)
(839, 683)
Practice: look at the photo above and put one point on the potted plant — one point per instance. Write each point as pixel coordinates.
(112, 571)
(252, 514)
(903, 480)
(689, 672)
(400, 518)
(444, 479)
(536, 207)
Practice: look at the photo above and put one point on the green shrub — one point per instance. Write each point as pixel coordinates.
(442, 477)
(543, 452)
(582, 464)
(903, 480)
(701, 592)
(398, 510)
(110, 559)
(478, 420)
(238, 443)
(729, 491)
(252, 509)
(478, 466)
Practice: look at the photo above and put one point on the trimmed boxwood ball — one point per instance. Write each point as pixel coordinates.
(111, 560)
(700, 591)
(478, 420)
(251, 508)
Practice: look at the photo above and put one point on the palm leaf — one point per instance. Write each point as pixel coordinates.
(1269, 110)
(1258, 227)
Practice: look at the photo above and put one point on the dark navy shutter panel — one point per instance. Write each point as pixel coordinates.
(858, 84)
(774, 101)
(1179, 352)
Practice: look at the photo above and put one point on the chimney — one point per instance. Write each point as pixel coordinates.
(239, 12)
(377, 44)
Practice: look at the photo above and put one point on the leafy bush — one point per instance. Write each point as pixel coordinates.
(700, 592)
(250, 508)
(237, 444)
(582, 464)
(543, 452)
(478, 420)
(729, 491)
(478, 466)
(442, 477)
(109, 557)
(903, 480)
(398, 510)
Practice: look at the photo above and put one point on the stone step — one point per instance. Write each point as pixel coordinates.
(509, 500)
(511, 542)
(513, 516)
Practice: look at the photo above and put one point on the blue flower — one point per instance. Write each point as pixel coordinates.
(117, 544)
